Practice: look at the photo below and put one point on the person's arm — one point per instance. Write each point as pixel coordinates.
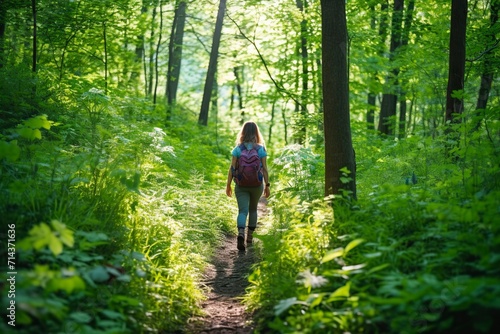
(265, 174)
(229, 190)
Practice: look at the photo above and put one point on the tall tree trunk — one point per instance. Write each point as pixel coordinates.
(271, 122)
(319, 82)
(304, 75)
(139, 50)
(105, 44)
(372, 97)
(175, 55)
(285, 124)
(149, 80)
(488, 63)
(238, 73)
(339, 152)
(33, 7)
(389, 99)
(157, 52)
(3, 25)
(212, 65)
(404, 42)
(456, 71)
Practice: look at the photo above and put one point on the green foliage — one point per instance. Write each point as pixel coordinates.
(127, 204)
(418, 253)
(301, 172)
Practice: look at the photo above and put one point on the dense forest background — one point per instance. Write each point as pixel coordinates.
(117, 123)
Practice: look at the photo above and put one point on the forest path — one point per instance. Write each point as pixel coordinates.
(226, 280)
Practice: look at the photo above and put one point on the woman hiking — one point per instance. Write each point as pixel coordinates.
(249, 171)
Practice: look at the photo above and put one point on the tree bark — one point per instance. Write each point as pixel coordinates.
(488, 63)
(389, 99)
(408, 19)
(304, 74)
(212, 65)
(157, 52)
(139, 51)
(105, 60)
(237, 70)
(3, 25)
(33, 8)
(175, 55)
(456, 71)
(149, 76)
(339, 152)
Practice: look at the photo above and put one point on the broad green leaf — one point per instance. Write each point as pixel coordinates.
(113, 315)
(29, 133)
(352, 245)
(285, 304)
(38, 122)
(81, 317)
(332, 254)
(315, 299)
(68, 284)
(9, 150)
(40, 235)
(65, 234)
(124, 278)
(345, 180)
(99, 274)
(55, 245)
(340, 293)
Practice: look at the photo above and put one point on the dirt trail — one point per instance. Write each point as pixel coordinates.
(226, 279)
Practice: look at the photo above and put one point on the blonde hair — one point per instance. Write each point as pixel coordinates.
(250, 133)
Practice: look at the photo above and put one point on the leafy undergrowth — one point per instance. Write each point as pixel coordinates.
(111, 219)
(419, 252)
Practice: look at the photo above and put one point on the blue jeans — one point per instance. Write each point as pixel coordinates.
(248, 199)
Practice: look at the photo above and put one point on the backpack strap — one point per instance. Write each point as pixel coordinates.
(242, 147)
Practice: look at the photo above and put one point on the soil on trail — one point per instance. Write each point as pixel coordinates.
(226, 279)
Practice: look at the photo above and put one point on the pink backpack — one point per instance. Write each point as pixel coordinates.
(248, 168)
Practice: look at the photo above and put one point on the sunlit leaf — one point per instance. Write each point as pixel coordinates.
(341, 293)
(40, 235)
(38, 122)
(68, 284)
(332, 254)
(65, 234)
(315, 299)
(55, 245)
(352, 245)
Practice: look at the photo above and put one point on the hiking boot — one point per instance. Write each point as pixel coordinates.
(241, 243)
(250, 236)
(241, 239)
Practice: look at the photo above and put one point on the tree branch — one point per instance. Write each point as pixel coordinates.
(279, 87)
(485, 52)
